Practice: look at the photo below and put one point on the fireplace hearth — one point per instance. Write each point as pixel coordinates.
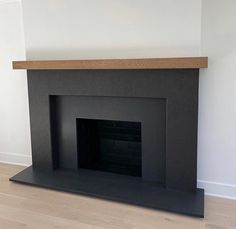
(122, 134)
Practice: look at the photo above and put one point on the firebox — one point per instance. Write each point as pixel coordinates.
(110, 146)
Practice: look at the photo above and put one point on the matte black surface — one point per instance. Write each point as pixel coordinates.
(151, 113)
(178, 87)
(117, 188)
(175, 89)
(111, 146)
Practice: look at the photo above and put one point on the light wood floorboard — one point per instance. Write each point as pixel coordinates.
(23, 206)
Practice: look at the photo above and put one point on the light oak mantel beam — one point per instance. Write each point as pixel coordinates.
(148, 63)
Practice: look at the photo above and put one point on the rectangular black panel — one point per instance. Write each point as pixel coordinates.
(66, 110)
(179, 87)
(165, 101)
(115, 187)
(111, 146)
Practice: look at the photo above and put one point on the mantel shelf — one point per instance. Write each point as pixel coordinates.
(148, 63)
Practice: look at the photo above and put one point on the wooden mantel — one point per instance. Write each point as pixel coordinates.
(148, 63)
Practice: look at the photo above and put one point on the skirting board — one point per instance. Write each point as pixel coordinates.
(211, 188)
(218, 189)
(15, 159)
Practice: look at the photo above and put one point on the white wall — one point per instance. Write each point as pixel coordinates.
(217, 109)
(14, 118)
(73, 29)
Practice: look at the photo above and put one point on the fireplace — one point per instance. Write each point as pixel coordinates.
(123, 134)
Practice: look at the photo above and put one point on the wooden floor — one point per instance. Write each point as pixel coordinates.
(24, 206)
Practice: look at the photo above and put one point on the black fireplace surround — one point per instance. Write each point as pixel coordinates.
(121, 135)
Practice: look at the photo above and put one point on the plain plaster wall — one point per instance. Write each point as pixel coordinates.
(14, 116)
(75, 29)
(217, 107)
(135, 28)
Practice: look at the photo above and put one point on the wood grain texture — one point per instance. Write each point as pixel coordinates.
(154, 63)
(23, 206)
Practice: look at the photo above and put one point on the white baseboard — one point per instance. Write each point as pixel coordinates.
(16, 159)
(218, 189)
(211, 188)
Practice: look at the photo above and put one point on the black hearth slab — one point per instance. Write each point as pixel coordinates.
(109, 186)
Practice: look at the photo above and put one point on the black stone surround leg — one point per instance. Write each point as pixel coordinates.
(179, 88)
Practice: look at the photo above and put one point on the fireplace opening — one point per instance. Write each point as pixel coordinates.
(110, 146)
(127, 136)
